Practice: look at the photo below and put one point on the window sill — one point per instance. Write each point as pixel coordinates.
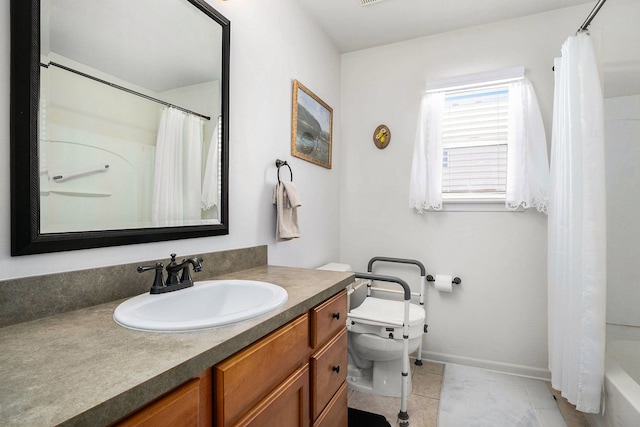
(476, 206)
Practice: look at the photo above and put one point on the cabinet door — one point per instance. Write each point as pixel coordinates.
(180, 408)
(189, 405)
(329, 371)
(286, 406)
(245, 378)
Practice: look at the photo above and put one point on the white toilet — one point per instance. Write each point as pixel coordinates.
(375, 342)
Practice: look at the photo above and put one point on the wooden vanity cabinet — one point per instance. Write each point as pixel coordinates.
(294, 377)
(189, 405)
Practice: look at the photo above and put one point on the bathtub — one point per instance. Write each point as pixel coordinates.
(622, 381)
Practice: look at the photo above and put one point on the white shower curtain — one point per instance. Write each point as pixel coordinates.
(210, 182)
(577, 229)
(178, 169)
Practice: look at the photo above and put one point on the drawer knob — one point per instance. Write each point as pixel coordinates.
(336, 316)
(336, 369)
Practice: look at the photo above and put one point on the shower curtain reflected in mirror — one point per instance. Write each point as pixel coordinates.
(210, 200)
(178, 170)
(577, 228)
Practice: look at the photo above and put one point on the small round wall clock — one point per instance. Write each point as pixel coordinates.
(382, 136)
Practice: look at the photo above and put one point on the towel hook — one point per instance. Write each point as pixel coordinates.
(279, 164)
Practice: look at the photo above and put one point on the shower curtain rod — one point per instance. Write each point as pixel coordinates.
(592, 15)
(587, 21)
(131, 91)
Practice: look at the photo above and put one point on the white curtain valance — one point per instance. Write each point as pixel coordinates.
(476, 79)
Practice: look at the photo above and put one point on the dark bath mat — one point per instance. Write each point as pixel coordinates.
(358, 418)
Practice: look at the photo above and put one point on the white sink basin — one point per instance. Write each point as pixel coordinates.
(205, 305)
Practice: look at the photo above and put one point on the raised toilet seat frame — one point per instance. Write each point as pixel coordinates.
(403, 415)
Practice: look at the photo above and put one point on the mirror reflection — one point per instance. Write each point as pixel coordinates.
(130, 115)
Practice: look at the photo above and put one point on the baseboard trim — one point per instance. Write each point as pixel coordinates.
(507, 368)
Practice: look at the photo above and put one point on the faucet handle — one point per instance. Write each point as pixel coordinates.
(158, 281)
(172, 271)
(172, 262)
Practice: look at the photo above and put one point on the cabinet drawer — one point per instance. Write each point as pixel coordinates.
(329, 370)
(246, 377)
(336, 414)
(286, 406)
(328, 318)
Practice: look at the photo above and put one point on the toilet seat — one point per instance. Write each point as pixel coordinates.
(385, 318)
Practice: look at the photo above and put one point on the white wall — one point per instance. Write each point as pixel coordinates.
(270, 47)
(622, 134)
(498, 316)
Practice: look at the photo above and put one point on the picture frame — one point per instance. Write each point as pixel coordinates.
(311, 127)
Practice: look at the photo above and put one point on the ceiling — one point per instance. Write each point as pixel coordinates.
(354, 27)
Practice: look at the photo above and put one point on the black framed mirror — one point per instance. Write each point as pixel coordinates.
(119, 123)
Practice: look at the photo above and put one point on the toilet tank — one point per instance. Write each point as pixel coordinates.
(335, 266)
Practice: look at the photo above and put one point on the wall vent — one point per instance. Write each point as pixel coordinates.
(368, 2)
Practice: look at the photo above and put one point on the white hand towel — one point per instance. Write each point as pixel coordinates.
(291, 194)
(287, 201)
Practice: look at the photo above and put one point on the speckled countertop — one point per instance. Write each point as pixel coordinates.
(81, 368)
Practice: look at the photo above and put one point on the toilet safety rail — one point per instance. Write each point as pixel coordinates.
(423, 274)
(406, 290)
(421, 295)
(403, 415)
(423, 271)
(367, 278)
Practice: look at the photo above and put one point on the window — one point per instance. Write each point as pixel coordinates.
(474, 143)
(480, 138)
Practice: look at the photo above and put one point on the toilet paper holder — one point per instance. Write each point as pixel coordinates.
(455, 280)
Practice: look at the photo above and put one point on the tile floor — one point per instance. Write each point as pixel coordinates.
(422, 403)
(472, 397)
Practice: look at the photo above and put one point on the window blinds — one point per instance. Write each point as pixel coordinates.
(474, 140)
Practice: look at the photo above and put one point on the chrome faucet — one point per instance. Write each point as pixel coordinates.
(173, 283)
